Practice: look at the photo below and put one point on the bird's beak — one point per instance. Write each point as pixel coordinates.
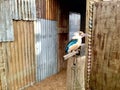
(85, 35)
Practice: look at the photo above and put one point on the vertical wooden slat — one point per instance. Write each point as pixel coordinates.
(47, 9)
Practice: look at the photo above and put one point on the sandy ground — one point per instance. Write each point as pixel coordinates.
(55, 82)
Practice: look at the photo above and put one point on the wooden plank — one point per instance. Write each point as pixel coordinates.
(62, 38)
(69, 55)
(106, 41)
(79, 78)
(47, 9)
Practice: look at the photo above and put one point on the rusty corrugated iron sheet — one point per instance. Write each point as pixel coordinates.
(20, 56)
(17, 10)
(45, 48)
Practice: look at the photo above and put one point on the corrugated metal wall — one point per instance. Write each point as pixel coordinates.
(6, 29)
(25, 61)
(21, 63)
(46, 38)
(46, 48)
(23, 9)
(14, 9)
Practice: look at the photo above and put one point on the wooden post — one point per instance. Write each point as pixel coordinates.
(76, 82)
(75, 72)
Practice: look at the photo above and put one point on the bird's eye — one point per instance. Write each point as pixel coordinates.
(80, 33)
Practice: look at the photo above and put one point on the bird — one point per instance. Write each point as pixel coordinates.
(75, 42)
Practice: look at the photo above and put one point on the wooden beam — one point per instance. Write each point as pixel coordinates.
(70, 55)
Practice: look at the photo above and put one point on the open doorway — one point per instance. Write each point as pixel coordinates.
(74, 23)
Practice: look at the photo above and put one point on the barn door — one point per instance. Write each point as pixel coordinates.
(46, 50)
(105, 73)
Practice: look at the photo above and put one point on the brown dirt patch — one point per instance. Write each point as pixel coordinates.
(55, 82)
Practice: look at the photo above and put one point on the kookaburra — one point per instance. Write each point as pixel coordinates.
(75, 42)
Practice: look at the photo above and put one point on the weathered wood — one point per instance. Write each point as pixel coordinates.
(80, 66)
(105, 74)
(71, 54)
(47, 9)
(51, 9)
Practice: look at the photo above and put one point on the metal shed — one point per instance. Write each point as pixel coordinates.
(28, 42)
(33, 35)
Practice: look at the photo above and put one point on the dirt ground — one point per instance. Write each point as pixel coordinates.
(55, 82)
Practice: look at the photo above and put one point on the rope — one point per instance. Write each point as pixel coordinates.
(89, 44)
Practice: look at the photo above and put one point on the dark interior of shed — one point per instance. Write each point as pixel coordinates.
(65, 8)
(77, 6)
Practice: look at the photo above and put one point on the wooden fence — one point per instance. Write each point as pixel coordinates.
(105, 73)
